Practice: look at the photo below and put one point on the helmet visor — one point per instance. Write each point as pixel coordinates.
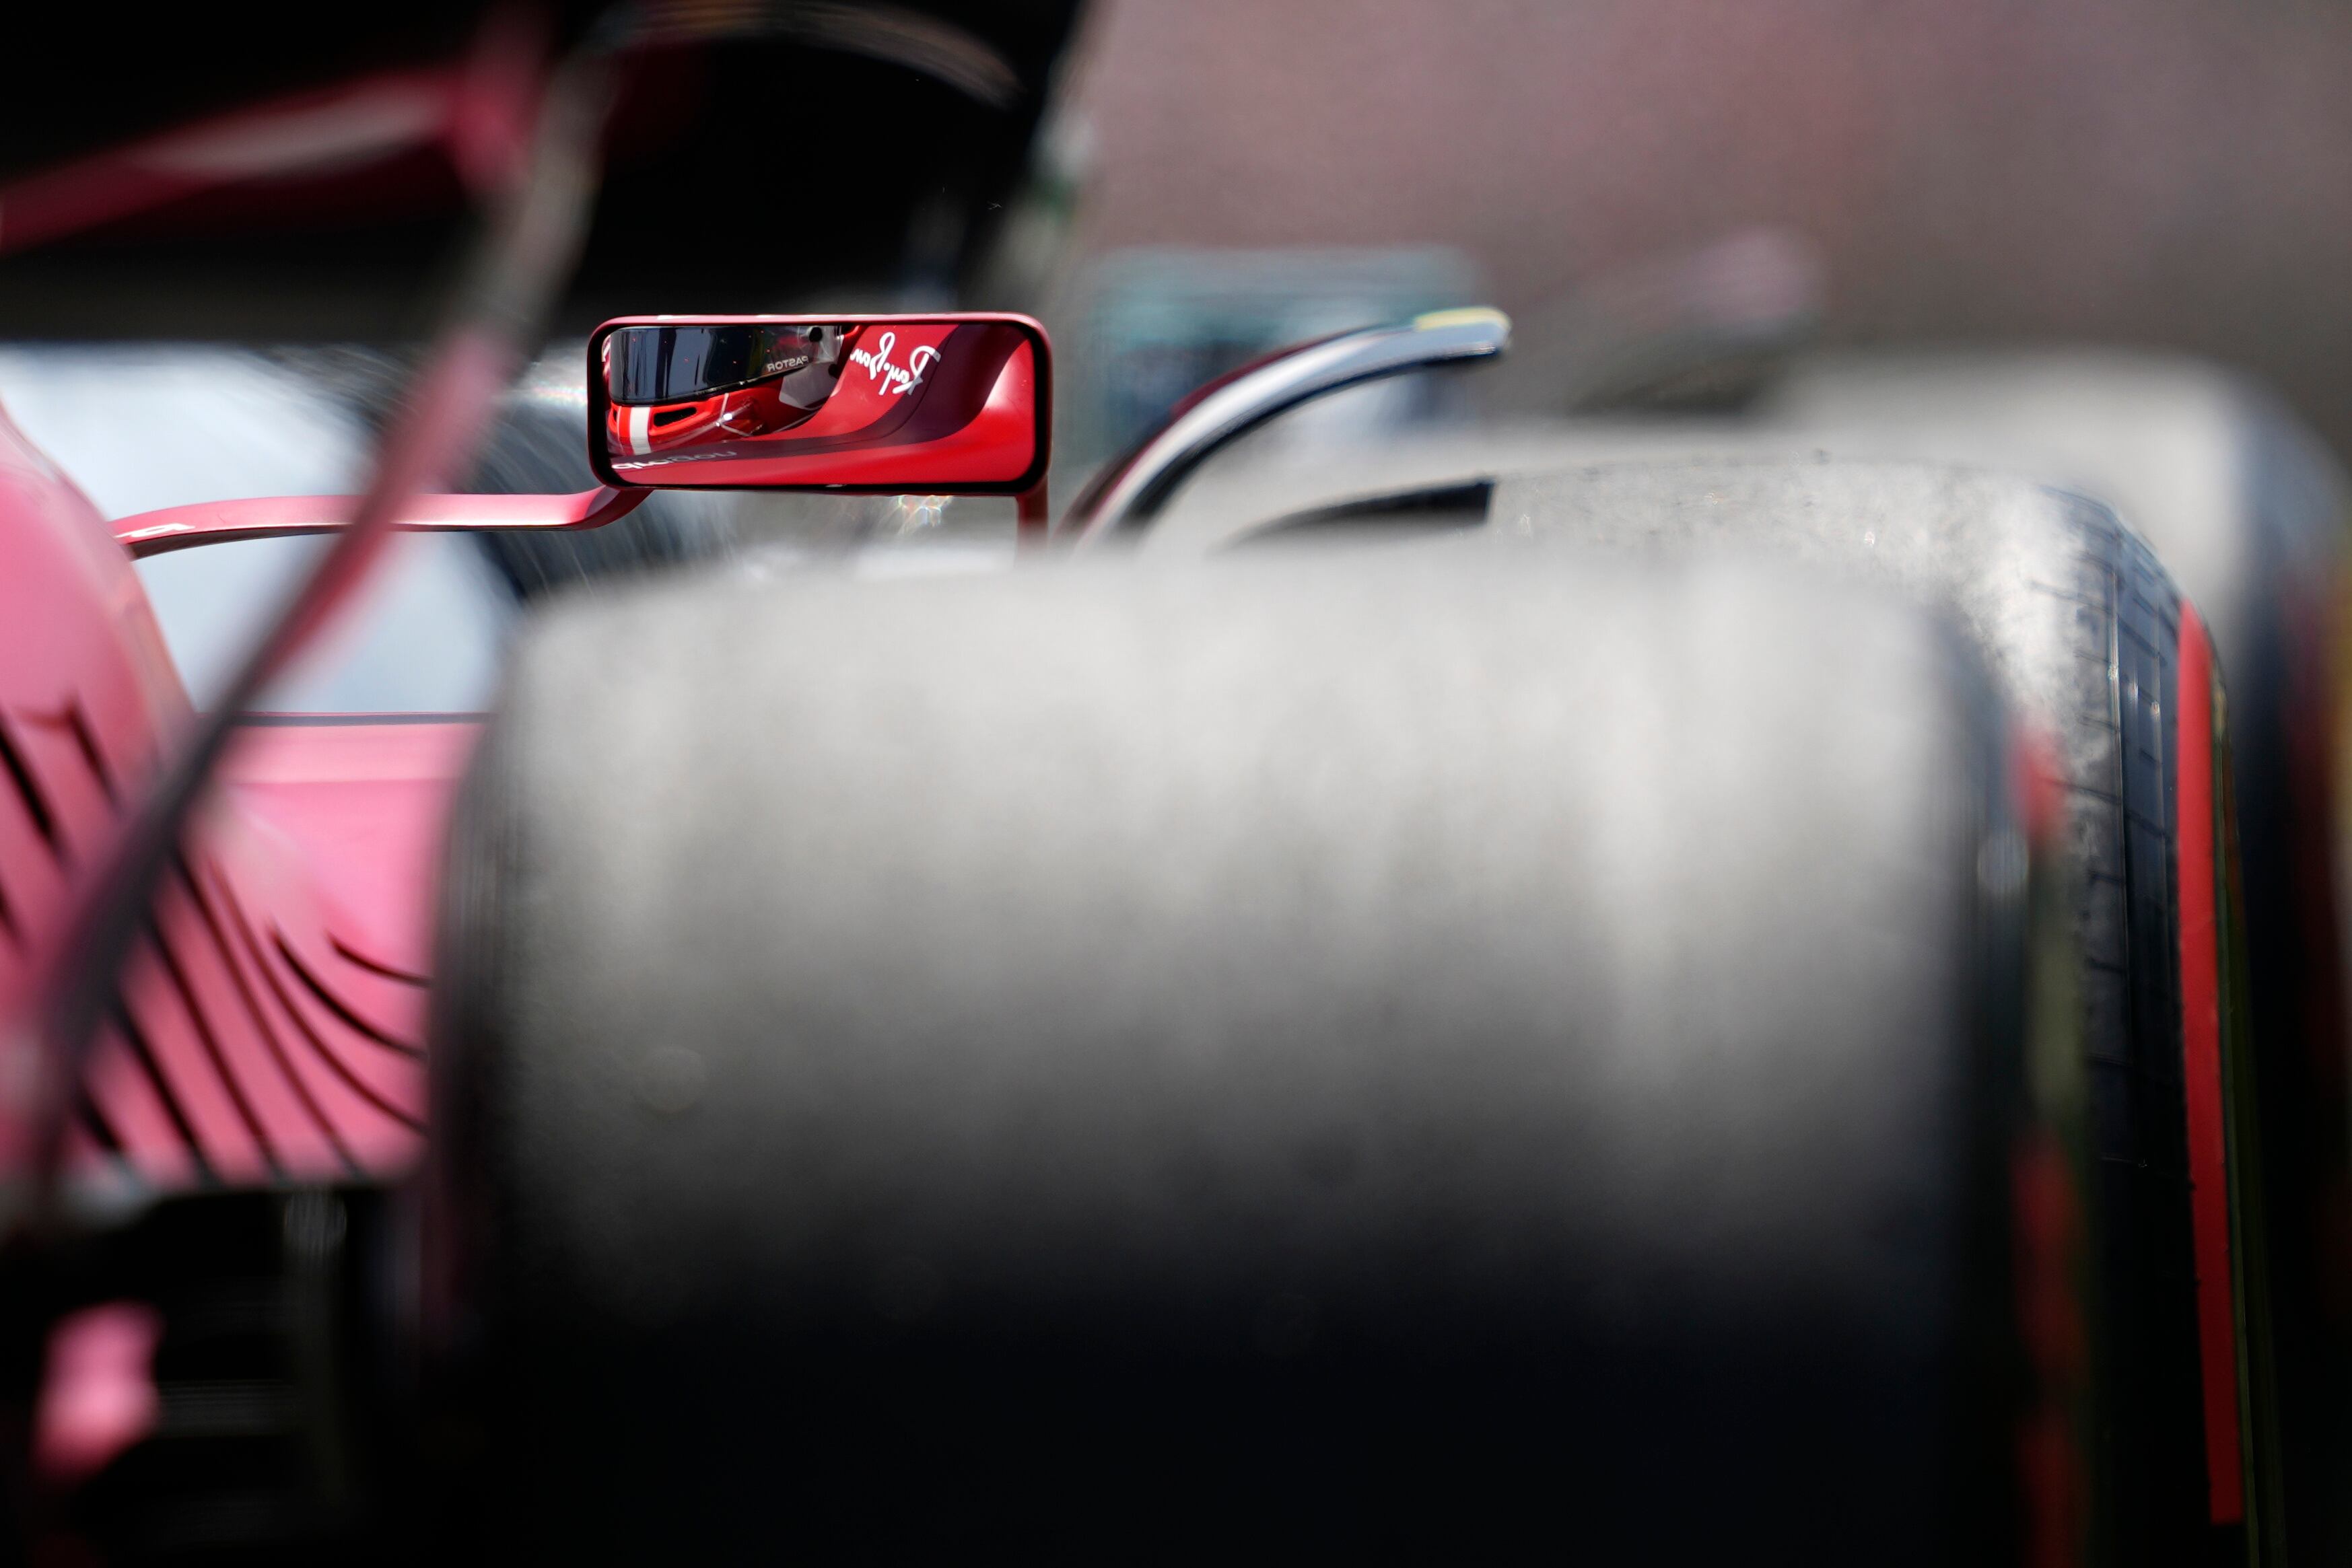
(670, 364)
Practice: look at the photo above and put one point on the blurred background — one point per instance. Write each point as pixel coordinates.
(1175, 186)
(2149, 171)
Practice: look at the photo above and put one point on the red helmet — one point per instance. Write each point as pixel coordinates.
(675, 385)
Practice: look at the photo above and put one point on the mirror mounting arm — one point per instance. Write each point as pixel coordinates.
(278, 516)
(1132, 489)
(1032, 514)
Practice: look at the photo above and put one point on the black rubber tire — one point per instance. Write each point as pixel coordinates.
(2245, 508)
(2085, 633)
(1363, 1059)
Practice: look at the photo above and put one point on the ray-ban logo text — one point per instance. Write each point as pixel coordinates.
(895, 381)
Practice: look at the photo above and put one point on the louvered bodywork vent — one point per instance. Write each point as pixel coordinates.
(251, 1043)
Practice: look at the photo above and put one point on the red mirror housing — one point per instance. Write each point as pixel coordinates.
(946, 404)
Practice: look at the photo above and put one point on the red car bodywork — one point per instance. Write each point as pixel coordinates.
(215, 931)
(269, 1026)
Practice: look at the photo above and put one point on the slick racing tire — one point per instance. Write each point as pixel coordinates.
(1344, 1058)
(2097, 651)
(2247, 511)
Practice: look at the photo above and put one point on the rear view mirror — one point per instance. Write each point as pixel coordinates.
(951, 404)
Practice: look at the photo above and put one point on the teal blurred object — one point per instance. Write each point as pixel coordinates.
(1159, 322)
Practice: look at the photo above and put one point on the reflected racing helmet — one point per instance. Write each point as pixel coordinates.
(672, 385)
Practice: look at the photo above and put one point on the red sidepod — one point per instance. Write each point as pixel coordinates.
(270, 1022)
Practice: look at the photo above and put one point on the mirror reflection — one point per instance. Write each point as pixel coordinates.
(895, 402)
